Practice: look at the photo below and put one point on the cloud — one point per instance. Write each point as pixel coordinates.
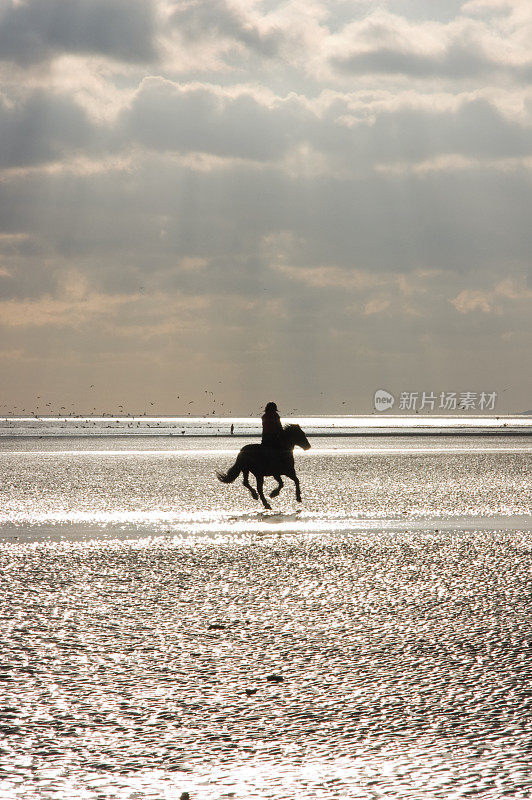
(77, 305)
(41, 128)
(33, 31)
(370, 292)
(329, 136)
(217, 19)
(376, 305)
(136, 225)
(493, 301)
(456, 62)
(331, 276)
(248, 199)
(472, 300)
(476, 128)
(168, 117)
(497, 6)
(465, 48)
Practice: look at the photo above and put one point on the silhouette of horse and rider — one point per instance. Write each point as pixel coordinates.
(273, 457)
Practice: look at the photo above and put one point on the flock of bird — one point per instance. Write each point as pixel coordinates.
(196, 408)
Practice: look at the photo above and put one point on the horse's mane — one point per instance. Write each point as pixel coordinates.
(290, 427)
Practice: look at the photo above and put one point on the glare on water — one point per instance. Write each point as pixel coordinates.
(145, 605)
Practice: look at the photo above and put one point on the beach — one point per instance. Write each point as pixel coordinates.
(162, 634)
(223, 220)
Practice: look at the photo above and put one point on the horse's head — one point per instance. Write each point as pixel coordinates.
(295, 437)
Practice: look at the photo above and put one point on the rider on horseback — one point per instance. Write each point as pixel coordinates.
(272, 430)
(276, 459)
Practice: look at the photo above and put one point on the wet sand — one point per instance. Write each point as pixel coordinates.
(139, 667)
(144, 609)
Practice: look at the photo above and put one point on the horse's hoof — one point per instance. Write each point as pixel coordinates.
(267, 506)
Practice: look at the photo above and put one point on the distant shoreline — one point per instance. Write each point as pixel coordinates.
(369, 434)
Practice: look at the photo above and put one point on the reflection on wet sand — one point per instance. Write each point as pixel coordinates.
(404, 657)
(161, 636)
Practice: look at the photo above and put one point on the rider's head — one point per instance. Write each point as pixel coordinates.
(270, 407)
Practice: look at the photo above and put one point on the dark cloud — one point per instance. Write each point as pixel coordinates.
(215, 18)
(33, 31)
(458, 62)
(476, 129)
(381, 227)
(166, 117)
(42, 128)
(387, 44)
(123, 229)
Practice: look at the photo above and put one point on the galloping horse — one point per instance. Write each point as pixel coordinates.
(263, 461)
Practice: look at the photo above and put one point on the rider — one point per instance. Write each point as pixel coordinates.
(272, 430)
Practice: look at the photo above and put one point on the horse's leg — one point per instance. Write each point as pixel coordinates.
(277, 488)
(293, 476)
(260, 484)
(249, 486)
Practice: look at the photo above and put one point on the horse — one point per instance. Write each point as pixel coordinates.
(262, 461)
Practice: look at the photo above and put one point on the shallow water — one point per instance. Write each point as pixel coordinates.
(343, 484)
(140, 599)
(213, 426)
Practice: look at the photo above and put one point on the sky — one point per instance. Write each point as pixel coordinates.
(209, 204)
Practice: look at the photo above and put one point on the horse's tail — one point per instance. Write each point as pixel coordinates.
(231, 474)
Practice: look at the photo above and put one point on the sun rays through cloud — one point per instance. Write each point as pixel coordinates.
(246, 192)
